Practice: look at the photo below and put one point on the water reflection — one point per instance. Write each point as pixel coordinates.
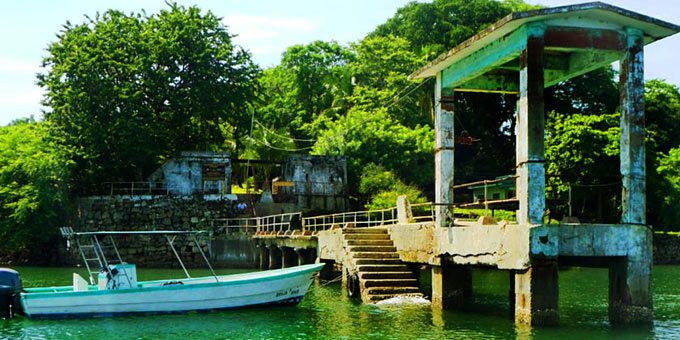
(327, 312)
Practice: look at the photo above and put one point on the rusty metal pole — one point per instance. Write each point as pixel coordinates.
(443, 156)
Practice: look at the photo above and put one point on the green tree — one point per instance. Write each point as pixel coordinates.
(127, 91)
(373, 137)
(34, 186)
(381, 188)
(321, 76)
(669, 170)
(583, 151)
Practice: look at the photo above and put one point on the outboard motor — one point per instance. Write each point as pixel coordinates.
(10, 287)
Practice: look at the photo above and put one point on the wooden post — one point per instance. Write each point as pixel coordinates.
(443, 157)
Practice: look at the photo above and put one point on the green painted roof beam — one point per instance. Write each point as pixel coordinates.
(582, 63)
(483, 60)
(492, 83)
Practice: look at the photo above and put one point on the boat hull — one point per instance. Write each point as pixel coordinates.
(282, 286)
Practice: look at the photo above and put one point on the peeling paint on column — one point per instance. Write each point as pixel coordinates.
(632, 143)
(530, 126)
(443, 157)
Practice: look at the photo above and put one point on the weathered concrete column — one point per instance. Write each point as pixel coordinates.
(536, 289)
(404, 213)
(451, 285)
(630, 278)
(264, 257)
(443, 156)
(536, 295)
(288, 257)
(274, 257)
(530, 125)
(632, 144)
(300, 254)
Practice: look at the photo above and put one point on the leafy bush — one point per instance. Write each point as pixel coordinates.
(383, 188)
(34, 177)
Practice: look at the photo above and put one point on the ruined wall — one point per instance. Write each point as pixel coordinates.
(164, 213)
(319, 182)
(196, 172)
(666, 248)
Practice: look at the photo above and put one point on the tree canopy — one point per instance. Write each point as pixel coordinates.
(34, 186)
(127, 91)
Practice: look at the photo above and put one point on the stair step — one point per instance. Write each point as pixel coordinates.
(370, 243)
(376, 298)
(392, 290)
(383, 268)
(367, 236)
(375, 255)
(381, 249)
(378, 261)
(386, 275)
(389, 283)
(365, 231)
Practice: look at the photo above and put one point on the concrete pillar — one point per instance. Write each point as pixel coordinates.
(630, 282)
(288, 257)
(530, 125)
(274, 257)
(300, 254)
(632, 146)
(404, 213)
(443, 156)
(264, 257)
(536, 295)
(451, 285)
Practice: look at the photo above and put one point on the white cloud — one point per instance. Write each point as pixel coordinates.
(268, 37)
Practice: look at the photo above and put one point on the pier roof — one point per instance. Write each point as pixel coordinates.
(578, 38)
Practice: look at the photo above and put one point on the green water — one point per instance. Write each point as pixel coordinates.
(327, 313)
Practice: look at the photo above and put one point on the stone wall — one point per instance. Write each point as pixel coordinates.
(666, 248)
(156, 213)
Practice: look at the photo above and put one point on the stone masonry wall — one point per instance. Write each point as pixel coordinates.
(666, 248)
(102, 213)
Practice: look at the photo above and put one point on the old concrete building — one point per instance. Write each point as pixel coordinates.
(194, 172)
(316, 182)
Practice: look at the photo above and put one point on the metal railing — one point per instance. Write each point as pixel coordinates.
(251, 225)
(247, 225)
(367, 218)
(280, 222)
(422, 212)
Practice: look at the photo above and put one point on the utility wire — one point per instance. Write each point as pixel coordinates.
(265, 143)
(282, 136)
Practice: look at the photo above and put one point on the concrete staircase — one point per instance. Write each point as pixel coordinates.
(375, 261)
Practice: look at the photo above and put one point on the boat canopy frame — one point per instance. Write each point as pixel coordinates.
(100, 256)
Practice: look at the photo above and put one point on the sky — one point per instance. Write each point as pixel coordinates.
(264, 27)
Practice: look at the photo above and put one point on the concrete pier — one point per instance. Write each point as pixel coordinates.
(520, 55)
(451, 285)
